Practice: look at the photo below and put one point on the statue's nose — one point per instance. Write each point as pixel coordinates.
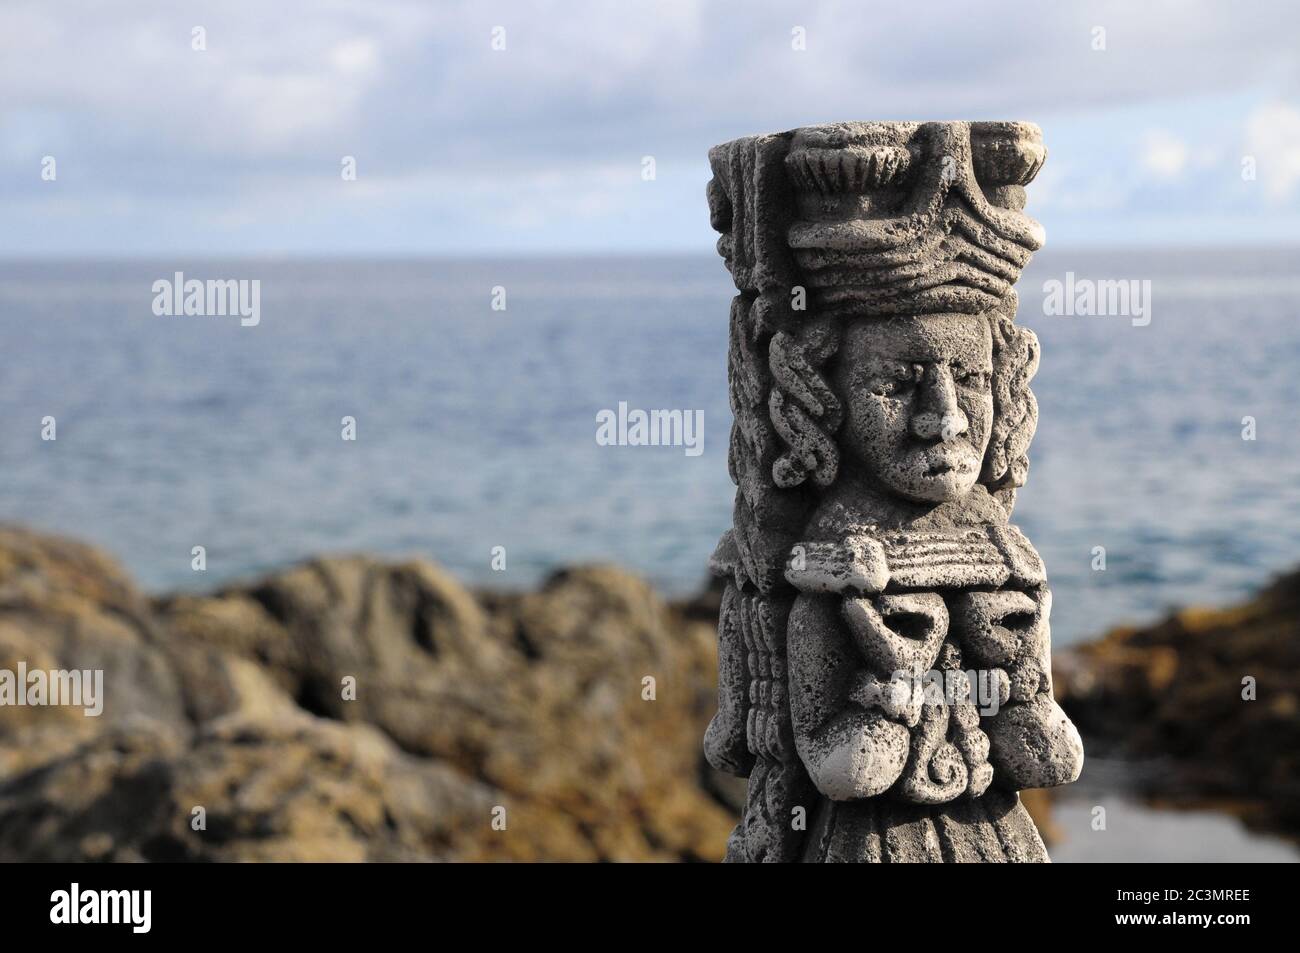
(938, 417)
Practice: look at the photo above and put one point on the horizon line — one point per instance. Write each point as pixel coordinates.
(595, 254)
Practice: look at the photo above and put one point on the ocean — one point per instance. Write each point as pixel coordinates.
(476, 425)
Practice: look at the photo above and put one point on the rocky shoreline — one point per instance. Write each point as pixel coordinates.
(464, 704)
(1204, 706)
(352, 708)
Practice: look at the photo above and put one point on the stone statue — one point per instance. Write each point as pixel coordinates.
(884, 664)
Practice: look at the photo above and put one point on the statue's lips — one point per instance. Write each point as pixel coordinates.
(936, 464)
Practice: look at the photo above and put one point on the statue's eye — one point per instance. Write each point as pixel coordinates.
(970, 378)
(895, 380)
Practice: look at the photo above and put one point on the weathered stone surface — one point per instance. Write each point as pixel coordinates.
(884, 661)
(233, 702)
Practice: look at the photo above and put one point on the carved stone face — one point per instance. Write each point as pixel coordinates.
(919, 402)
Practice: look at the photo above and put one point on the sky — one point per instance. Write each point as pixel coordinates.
(481, 128)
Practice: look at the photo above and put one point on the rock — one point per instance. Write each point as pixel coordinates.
(295, 788)
(1173, 692)
(66, 606)
(576, 708)
(1038, 802)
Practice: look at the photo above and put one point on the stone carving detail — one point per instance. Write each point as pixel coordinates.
(884, 658)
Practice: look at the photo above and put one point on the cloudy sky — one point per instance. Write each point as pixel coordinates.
(460, 148)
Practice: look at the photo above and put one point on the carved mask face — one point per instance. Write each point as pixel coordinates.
(919, 402)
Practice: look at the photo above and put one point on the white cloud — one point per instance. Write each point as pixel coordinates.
(1164, 155)
(416, 93)
(1273, 138)
(357, 55)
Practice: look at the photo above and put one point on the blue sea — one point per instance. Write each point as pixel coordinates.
(475, 427)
